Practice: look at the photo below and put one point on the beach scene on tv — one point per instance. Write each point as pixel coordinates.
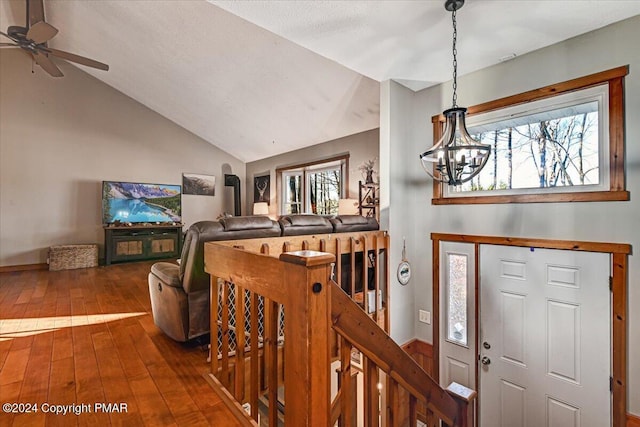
(129, 202)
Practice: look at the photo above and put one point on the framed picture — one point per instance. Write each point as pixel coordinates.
(261, 188)
(201, 185)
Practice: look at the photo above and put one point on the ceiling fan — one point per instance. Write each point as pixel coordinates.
(33, 39)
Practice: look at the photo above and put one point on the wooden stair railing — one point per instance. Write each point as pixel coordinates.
(303, 364)
(357, 330)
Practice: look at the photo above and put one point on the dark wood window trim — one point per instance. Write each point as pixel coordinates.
(619, 284)
(617, 190)
(303, 166)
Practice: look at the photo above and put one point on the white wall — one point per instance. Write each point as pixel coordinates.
(604, 49)
(360, 147)
(59, 138)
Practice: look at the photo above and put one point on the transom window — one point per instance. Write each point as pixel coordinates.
(314, 187)
(559, 143)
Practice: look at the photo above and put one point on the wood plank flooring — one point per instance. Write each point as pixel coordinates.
(87, 336)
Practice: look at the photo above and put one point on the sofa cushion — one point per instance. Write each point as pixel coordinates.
(237, 223)
(351, 223)
(296, 225)
(351, 219)
(168, 273)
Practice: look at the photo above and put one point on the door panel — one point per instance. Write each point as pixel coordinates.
(545, 317)
(457, 310)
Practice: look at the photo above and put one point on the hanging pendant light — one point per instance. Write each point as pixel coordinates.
(456, 157)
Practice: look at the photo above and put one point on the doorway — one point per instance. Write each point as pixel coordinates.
(546, 348)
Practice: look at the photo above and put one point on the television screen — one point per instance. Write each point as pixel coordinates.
(137, 203)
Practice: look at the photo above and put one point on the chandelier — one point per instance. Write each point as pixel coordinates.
(456, 157)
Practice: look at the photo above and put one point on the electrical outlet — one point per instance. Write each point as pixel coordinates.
(424, 316)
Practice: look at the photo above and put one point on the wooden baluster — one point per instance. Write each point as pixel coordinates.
(353, 268)
(365, 274)
(305, 245)
(346, 386)
(240, 344)
(254, 358)
(376, 279)
(393, 404)
(224, 327)
(372, 394)
(323, 245)
(387, 281)
(338, 262)
(213, 341)
(271, 357)
(413, 413)
(286, 247)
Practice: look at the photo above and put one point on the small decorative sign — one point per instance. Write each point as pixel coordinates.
(404, 268)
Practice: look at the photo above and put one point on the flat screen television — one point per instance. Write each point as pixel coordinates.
(132, 202)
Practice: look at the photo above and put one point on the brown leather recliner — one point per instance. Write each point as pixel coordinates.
(180, 293)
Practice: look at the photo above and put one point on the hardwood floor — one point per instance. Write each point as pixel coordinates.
(87, 336)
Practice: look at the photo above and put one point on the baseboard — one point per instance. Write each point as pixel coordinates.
(633, 420)
(23, 267)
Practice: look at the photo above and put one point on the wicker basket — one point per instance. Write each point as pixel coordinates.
(68, 257)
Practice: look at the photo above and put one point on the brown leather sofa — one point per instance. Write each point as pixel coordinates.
(180, 293)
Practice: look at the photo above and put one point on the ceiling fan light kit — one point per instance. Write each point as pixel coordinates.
(33, 39)
(456, 158)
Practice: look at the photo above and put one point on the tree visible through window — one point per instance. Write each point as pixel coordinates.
(540, 152)
(560, 143)
(313, 188)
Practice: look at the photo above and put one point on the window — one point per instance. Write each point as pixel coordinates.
(456, 298)
(559, 143)
(313, 187)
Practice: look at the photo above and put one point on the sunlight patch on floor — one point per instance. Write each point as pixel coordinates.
(16, 328)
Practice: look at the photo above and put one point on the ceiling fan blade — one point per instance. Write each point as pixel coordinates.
(35, 12)
(77, 58)
(41, 32)
(47, 64)
(8, 36)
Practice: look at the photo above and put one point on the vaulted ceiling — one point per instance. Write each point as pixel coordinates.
(259, 78)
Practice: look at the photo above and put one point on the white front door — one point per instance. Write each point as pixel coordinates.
(457, 309)
(544, 338)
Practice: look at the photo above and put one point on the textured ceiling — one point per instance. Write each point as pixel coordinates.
(290, 74)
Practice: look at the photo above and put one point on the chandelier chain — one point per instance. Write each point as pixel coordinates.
(455, 59)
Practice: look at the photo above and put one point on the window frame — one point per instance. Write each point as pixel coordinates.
(614, 78)
(304, 169)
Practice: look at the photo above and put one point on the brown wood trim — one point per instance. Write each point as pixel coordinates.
(313, 163)
(615, 80)
(435, 318)
(619, 362)
(23, 267)
(620, 248)
(619, 286)
(586, 196)
(240, 415)
(546, 91)
(616, 134)
(633, 420)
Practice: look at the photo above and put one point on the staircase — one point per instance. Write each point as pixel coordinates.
(335, 366)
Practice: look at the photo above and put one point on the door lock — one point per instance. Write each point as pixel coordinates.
(486, 345)
(485, 360)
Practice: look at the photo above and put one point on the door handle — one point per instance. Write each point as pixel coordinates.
(485, 360)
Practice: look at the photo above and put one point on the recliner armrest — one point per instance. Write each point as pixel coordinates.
(168, 273)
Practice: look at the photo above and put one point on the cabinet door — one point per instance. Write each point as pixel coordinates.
(164, 245)
(128, 247)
